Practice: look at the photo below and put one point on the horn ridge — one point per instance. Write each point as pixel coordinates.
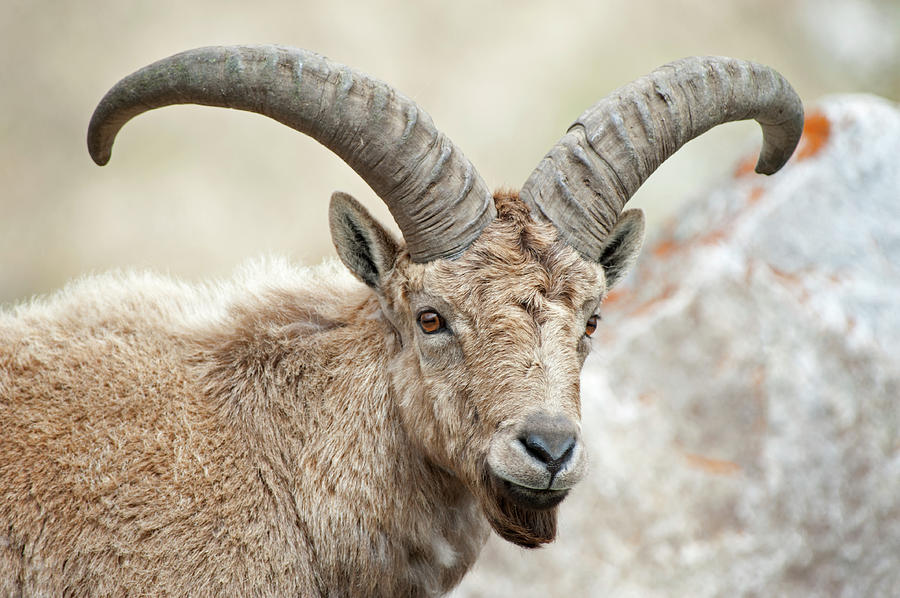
(617, 143)
(383, 135)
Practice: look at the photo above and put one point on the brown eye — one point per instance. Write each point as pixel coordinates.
(431, 322)
(591, 325)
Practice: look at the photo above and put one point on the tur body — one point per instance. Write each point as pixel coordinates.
(303, 432)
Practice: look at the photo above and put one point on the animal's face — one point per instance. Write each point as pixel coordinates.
(492, 345)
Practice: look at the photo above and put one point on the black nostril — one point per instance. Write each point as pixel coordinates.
(550, 449)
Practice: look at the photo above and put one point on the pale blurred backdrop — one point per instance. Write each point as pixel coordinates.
(195, 191)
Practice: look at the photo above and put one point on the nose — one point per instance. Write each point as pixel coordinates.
(550, 440)
(543, 452)
(553, 450)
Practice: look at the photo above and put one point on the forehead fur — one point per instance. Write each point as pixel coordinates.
(518, 260)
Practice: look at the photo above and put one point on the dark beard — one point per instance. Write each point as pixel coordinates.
(524, 527)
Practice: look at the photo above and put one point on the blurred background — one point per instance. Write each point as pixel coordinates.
(195, 191)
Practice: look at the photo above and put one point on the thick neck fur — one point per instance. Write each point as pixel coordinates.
(272, 464)
(313, 396)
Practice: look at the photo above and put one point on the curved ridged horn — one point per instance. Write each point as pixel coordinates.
(584, 181)
(439, 201)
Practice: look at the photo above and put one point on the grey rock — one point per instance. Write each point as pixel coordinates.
(741, 401)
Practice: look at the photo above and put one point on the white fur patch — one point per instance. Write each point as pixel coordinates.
(444, 553)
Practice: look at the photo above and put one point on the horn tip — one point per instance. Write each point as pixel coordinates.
(100, 155)
(99, 151)
(768, 166)
(766, 170)
(100, 159)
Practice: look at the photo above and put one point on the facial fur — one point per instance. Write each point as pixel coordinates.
(515, 305)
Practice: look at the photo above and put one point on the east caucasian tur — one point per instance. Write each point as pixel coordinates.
(296, 432)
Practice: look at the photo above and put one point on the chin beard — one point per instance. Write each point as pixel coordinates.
(524, 517)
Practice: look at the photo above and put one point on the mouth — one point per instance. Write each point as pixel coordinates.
(531, 498)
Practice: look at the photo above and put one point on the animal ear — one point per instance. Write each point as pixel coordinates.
(622, 246)
(365, 247)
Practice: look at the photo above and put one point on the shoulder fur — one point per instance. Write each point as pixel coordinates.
(156, 299)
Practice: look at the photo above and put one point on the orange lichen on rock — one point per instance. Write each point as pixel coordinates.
(792, 281)
(759, 378)
(614, 296)
(746, 166)
(788, 278)
(713, 237)
(666, 247)
(816, 130)
(713, 466)
(756, 194)
(646, 306)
